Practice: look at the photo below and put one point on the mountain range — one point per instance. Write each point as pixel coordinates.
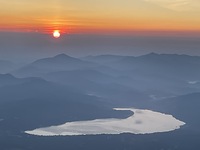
(59, 89)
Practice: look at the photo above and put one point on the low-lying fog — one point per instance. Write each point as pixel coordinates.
(141, 122)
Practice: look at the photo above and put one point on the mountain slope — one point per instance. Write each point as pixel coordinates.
(36, 103)
(59, 62)
(170, 65)
(102, 59)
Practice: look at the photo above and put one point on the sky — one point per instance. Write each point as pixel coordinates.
(93, 27)
(86, 16)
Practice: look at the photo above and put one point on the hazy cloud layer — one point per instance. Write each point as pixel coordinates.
(178, 5)
(29, 46)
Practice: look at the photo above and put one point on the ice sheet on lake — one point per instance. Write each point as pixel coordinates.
(141, 122)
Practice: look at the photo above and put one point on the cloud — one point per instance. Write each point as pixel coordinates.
(141, 122)
(178, 5)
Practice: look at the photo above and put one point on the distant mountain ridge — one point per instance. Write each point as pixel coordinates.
(103, 58)
(59, 62)
(10, 80)
(59, 89)
(60, 58)
(166, 74)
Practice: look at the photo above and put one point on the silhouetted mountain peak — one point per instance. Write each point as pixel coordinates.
(153, 54)
(62, 56)
(150, 55)
(59, 62)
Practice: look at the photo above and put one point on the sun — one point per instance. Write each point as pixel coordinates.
(56, 33)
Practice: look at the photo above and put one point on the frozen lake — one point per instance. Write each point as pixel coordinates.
(141, 122)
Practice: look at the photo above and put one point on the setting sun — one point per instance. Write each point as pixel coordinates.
(56, 33)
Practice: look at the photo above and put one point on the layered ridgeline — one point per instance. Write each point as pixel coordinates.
(82, 75)
(60, 62)
(159, 75)
(57, 86)
(34, 102)
(156, 76)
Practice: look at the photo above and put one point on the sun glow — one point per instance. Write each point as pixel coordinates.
(56, 34)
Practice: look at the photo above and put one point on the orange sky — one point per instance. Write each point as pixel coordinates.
(85, 16)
